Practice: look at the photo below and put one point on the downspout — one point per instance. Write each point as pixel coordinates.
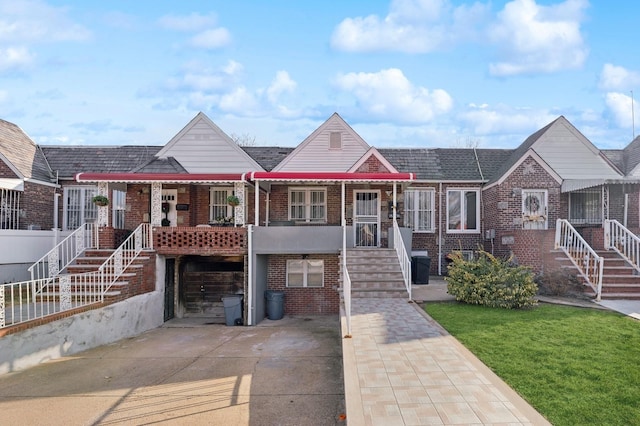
(440, 230)
(250, 280)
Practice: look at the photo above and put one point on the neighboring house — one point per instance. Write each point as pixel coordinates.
(303, 209)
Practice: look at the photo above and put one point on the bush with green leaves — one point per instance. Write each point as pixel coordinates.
(490, 281)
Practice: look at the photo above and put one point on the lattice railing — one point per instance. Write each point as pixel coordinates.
(200, 240)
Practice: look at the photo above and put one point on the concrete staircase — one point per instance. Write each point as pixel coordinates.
(619, 279)
(92, 259)
(375, 273)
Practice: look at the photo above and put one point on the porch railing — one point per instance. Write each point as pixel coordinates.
(403, 257)
(622, 241)
(346, 282)
(583, 257)
(34, 299)
(65, 252)
(112, 268)
(38, 298)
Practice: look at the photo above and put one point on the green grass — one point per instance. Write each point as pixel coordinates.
(576, 366)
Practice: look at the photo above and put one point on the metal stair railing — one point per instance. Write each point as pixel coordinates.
(403, 257)
(65, 252)
(37, 298)
(589, 263)
(112, 268)
(622, 241)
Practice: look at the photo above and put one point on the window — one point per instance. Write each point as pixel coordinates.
(305, 273)
(308, 204)
(463, 211)
(119, 207)
(9, 209)
(79, 207)
(585, 206)
(418, 209)
(219, 209)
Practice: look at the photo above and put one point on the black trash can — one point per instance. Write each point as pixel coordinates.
(275, 304)
(232, 309)
(420, 266)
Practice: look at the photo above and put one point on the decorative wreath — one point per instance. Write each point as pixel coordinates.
(532, 203)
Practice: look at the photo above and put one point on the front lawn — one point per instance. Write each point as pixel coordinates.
(576, 366)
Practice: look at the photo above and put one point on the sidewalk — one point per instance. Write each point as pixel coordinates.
(402, 368)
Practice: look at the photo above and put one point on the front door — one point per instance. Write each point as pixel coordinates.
(169, 212)
(366, 218)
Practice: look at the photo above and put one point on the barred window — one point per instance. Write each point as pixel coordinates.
(419, 209)
(9, 209)
(79, 207)
(219, 208)
(585, 206)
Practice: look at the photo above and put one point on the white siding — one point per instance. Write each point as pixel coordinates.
(571, 155)
(314, 153)
(201, 147)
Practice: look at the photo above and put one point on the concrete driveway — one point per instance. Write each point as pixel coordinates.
(286, 372)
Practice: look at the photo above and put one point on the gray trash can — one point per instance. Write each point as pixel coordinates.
(275, 304)
(420, 266)
(232, 309)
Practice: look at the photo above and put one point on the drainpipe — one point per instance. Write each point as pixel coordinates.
(250, 283)
(626, 209)
(440, 230)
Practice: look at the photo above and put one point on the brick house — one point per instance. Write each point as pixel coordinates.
(333, 203)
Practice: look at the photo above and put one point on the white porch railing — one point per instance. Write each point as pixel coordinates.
(623, 241)
(65, 252)
(346, 281)
(112, 268)
(403, 257)
(589, 264)
(30, 300)
(38, 298)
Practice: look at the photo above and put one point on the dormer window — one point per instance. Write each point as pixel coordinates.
(335, 140)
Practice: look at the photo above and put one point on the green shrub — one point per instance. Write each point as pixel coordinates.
(487, 280)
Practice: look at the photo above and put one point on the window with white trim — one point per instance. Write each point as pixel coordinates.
(118, 208)
(308, 204)
(9, 209)
(305, 273)
(463, 211)
(219, 208)
(78, 206)
(585, 207)
(419, 207)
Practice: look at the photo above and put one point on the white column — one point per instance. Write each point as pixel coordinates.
(239, 214)
(103, 211)
(256, 203)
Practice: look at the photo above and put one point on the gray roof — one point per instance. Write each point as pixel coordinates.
(631, 155)
(618, 158)
(23, 154)
(69, 160)
(161, 165)
(267, 156)
(448, 164)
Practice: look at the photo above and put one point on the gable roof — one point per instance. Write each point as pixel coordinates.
(631, 157)
(268, 156)
(202, 147)
(373, 153)
(67, 161)
(314, 153)
(21, 154)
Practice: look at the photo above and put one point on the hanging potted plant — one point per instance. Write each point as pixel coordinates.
(233, 201)
(100, 200)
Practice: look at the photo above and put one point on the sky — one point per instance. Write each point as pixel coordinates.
(401, 73)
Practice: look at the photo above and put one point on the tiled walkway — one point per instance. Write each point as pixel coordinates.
(402, 368)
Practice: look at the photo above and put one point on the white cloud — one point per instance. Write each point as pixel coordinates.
(14, 58)
(239, 101)
(189, 23)
(534, 38)
(618, 78)
(619, 105)
(389, 95)
(282, 83)
(211, 39)
(484, 120)
(33, 21)
(412, 26)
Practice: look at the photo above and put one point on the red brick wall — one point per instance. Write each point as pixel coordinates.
(502, 211)
(6, 172)
(37, 203)
(306, 301)
(372, 165)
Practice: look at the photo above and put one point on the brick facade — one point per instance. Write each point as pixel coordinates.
(306, 301)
